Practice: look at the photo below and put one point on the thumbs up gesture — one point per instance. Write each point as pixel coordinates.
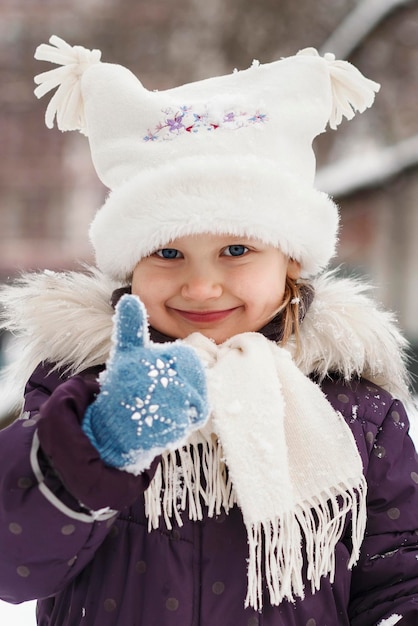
(152, 395)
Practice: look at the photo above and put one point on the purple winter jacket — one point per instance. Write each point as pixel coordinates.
(74, 535)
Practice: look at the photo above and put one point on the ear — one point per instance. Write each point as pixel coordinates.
(293, 269)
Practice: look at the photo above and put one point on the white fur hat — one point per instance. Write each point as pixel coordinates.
(231, 154)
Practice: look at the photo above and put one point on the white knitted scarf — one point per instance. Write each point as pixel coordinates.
(276, 447)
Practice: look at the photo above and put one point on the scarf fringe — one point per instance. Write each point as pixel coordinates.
(321, 523)
(188, 478)
(196, 476)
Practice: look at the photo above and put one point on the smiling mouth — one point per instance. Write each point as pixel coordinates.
(205, 316)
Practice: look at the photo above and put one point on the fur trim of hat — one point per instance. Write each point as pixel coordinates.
(160, 205)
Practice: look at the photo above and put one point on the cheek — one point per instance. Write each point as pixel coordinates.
(142, 284)
(270, 291)
(268, 285)
(152, 289)
(136, 284)
(146, 294)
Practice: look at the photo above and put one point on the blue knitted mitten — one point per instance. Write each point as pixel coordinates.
(152, 395)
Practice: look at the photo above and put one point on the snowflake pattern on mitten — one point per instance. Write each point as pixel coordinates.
(146, 411)
(152, 395)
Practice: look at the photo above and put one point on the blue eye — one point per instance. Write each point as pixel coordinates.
(235, 250)
(168, 253)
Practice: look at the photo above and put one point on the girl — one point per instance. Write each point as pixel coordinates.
(230, 447)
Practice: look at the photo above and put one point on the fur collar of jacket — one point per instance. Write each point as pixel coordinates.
(66, 319)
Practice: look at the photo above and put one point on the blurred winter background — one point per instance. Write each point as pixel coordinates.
(49, 191)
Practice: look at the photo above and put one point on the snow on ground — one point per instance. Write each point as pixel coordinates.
(390, 621)
(413, 418)
(17, 614)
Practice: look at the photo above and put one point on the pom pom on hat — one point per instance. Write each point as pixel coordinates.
(351, 91)
(67, 103)
(231, 154)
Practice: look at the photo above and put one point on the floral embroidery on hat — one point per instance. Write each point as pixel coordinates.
(185, 119)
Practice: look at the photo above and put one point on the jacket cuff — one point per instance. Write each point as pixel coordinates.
(75, 460)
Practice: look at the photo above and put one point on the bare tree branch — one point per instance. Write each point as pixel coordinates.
(356, 26)
(352, 174)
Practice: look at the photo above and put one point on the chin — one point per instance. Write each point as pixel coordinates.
(217, 338)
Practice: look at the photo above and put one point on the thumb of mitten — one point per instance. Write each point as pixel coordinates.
(130, 329)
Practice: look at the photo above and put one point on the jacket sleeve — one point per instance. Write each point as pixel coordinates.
(57, 498)
(385, 581)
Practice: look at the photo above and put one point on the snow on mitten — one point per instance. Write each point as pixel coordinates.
(152, 395)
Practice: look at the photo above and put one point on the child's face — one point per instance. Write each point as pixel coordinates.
(217, 285)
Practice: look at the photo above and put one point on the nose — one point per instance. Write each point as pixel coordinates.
(201, 285)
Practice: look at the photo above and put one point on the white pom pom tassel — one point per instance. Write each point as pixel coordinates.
(351, 91)
(67, 102)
